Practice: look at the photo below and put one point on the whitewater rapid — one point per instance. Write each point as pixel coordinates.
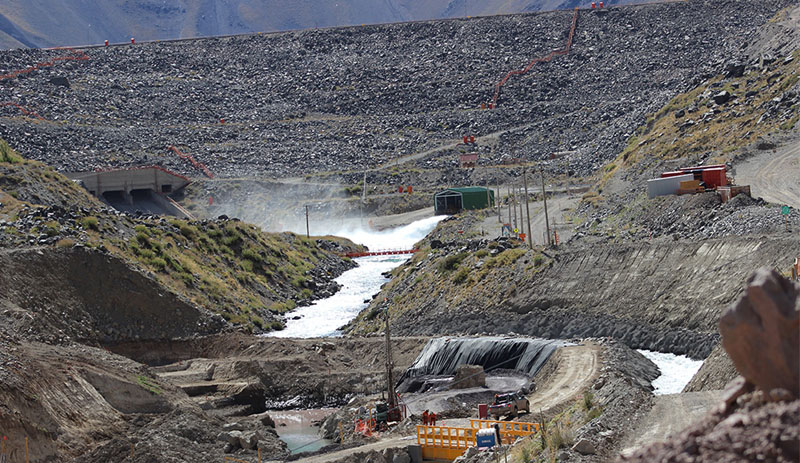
(676, 371)
(324, 317)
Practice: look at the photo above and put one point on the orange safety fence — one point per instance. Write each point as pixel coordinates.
(545, 59)
(75, 55)
(508, 429)
(444, 442)
(198, 165)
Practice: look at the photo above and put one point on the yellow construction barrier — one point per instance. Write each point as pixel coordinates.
(444, 442)
(508, 429)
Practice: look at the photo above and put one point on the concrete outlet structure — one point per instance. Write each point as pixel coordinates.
(136, 188)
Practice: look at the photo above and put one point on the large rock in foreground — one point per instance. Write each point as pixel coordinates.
(761, 332)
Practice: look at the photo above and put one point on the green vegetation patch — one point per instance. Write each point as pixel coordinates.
(149, 384)
(9, 155)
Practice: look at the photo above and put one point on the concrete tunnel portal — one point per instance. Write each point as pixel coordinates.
(137, 189)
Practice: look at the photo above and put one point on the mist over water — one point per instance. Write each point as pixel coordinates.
(324, 317)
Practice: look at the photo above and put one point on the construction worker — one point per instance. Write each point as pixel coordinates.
(497, 439)
(432, 418)
(425, 417)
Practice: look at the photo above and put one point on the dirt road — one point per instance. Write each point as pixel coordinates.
(671, 413)
(576, 369)
(556, 207)
(773, 175)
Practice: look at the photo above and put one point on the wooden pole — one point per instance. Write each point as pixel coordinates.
(516, 224)
(392, 399)
(308, 234)
(26, 451)
(546, 219)
(527, 209)
(488, 195)
(521, 217)
(259, 453)
(497, 203)
(508, 198)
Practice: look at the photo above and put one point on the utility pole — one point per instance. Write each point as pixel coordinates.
(497, 203)
(527, 208)
(308, 234)
(546, 219)
(516, 224)
(488, 195)
(508, 198)
(392, 399)
(521, 214)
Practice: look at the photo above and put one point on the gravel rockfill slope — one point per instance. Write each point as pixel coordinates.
(321, 100)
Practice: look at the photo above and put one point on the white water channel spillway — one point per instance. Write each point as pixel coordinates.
(676, 371)
(323, 318)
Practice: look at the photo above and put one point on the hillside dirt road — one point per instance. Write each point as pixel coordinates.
(671, 413)
(773, 175)
(576, 369)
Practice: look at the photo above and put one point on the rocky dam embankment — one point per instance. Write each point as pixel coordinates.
(348, 98)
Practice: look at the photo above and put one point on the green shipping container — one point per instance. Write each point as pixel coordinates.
(454, 200)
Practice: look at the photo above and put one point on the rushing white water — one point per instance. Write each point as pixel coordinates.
(676, 371)
(324, 317)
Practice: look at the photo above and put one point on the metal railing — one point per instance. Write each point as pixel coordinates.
(444, 442)
(507, 428)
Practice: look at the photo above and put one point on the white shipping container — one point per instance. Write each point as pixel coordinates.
(666, 186)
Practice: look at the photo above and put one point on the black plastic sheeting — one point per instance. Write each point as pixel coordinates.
(441, 356)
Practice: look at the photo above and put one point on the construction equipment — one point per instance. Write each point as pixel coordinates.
(509, 404)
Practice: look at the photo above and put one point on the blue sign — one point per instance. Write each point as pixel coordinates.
(485, 441)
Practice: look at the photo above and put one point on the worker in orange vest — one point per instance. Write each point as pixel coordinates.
(432, 418)
(425, 417)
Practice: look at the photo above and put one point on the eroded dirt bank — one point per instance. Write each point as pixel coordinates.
(663, 295)
(277, 372)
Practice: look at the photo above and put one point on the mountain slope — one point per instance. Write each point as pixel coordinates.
(43, 23)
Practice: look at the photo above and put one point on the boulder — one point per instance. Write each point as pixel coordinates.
(231, 437)
(722, 97)
(734, 70)
(60, 81)
(760, 332)
(249, 440)
(266, 420)
(584, 447)
(468, 376)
